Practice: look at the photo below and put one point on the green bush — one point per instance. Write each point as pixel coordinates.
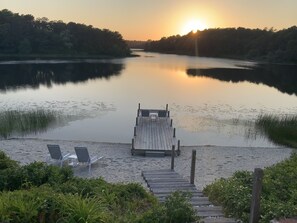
(77, 209)
(278, 198)
(176, 209)
(27, 206)
(34, 174)
(6, 162)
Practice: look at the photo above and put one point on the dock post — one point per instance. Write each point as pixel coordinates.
(174, 133)
(136, 121)
(132, 150)
(178, 147)
(166, 107)
(171, 121)
(256, 195)
(168, 113)
(193, 167)
(135, 131)
(172, 157)
(138, 110)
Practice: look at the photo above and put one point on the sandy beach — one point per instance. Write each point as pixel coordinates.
(118, 165)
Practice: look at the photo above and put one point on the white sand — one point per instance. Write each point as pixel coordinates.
(118, 165)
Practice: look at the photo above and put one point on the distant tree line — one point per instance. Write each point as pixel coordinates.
(256, 44)
(24, 35)
(136, 44)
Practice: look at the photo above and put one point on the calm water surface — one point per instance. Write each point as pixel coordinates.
(212, 101)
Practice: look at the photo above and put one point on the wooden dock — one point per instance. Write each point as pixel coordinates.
(163, 182)
(154, 134)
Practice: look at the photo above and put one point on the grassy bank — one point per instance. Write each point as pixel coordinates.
(280, 130)
(279, 192)
(41, 193)
(24, 122)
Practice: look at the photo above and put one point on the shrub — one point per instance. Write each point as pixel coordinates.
(176, 209)
(34, 174)
(6, 162)
(19, 207)
(77, 209)
(278, 198)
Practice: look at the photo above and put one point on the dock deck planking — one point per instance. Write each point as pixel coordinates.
(153, 134)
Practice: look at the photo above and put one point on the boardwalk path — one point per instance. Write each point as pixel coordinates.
(163, 182)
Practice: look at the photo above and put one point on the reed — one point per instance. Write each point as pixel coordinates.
(280, 130)
(16, 122)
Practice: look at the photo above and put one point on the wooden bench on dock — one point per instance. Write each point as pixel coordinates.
(154, 134)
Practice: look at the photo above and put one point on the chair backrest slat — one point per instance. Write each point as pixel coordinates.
(55, 152)
(82, 154)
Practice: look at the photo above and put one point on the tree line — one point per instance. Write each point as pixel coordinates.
(25, 35)
(242, 43)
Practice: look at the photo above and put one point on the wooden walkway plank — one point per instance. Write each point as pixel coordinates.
(164, 182)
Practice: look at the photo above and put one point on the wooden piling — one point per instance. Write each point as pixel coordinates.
(256, 196)
(178, 147)
(171, 122)
(135, 131)
(174, 133)
(172, 157)
(136, 121)
(193, 167)
(166, 107)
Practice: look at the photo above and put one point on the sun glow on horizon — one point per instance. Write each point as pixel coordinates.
(193, 26)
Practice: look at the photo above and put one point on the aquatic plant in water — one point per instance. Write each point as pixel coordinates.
(280, 130)
(24, 122)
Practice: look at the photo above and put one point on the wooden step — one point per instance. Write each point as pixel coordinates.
(169, 186)
(218, 220)
(163, 183)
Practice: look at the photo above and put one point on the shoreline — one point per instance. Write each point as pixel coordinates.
(119, 166)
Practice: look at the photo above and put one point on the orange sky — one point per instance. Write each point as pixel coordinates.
(153, 19)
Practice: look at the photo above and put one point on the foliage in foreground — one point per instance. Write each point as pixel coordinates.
(281, 130)
(279, 192)
(41, 193)
(22, 122)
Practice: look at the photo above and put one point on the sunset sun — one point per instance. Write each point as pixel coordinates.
(193, 25)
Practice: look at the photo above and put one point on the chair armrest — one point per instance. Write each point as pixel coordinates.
(66, 156)
(96, 158)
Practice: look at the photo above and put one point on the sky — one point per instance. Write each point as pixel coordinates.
(154, 19)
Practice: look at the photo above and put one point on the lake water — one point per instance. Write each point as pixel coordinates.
(212, 101)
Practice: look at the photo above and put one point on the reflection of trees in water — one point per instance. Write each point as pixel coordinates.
(281, 77)
(33, 75)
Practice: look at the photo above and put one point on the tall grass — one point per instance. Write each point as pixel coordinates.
(280, 130)
(24, 122)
